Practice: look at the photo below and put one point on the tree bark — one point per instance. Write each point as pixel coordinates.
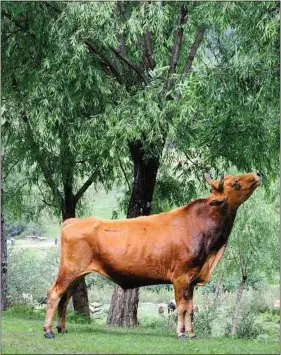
(80, 295)
(4, 269)
(182, 18)
(218, 286)
(124, 303)
(237, 304)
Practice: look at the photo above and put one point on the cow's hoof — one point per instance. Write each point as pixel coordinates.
(193, 336)
(181, 337)
(49, 335)
(61, 330)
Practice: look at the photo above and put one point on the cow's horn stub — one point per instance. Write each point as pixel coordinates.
(221, 183)
(208, 178)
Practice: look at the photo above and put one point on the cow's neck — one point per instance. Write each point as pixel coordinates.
(215, 224)
(210, 240)
(222, 217)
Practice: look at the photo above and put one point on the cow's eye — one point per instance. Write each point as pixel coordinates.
(236, 185)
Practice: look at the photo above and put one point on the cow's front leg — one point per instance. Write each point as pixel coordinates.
(189, 319)
(184, 300)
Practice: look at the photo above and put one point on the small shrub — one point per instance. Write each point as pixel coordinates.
(30, 275)
(250, 307)
(203, 321)
(258, 300)
(247, 327)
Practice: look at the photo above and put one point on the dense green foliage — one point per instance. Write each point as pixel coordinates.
(49, 104)
(79, 74)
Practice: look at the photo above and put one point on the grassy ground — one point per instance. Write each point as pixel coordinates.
(22, 334)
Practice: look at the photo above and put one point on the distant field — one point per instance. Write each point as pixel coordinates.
(22, 334)
(102, 206)
(104, 203)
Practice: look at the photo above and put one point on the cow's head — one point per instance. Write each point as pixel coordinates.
(234, 190)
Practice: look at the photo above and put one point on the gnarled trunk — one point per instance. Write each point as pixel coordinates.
(4, 269)
(80, 295)
(124, 303)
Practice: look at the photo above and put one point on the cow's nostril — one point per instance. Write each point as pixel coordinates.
(259, 174)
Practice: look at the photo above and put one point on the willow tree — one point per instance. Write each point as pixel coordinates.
(51, 90)
(193, 97)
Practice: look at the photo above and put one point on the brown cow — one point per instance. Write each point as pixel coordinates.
(181, 247)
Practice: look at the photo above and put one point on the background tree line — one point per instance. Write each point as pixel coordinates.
(147, 95)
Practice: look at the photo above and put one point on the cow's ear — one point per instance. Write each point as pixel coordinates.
(216, 202)
(216, 185)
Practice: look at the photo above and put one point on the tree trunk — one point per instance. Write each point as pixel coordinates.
(237, 304)
(80, 295)
(124, 303)
(218, 286)
(4, 275)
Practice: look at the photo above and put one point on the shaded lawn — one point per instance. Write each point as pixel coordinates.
(22, 334)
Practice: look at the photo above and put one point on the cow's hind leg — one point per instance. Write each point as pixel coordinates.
(63, 303)
(55, 294)
(62, 307)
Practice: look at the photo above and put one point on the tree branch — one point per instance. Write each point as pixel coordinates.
(194, 48)
(148, 50)
(44, 167)
(10, 169)
(85, 186)
(105, 61)
(18, 24)
(123, 171)
(130, 64)
(120, 36)
(52, 6)
(177, 45)
(43, 198)
(123, 10)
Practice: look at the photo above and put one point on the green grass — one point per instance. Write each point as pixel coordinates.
(23, 334)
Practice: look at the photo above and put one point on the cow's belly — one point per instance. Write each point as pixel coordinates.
(127, 282)
(130, 259)
(130, 278)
